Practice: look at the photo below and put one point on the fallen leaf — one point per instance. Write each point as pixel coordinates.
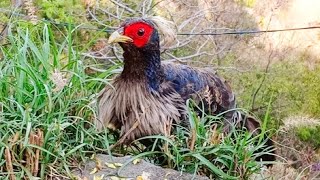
(94, 170)
(118, 164)
(115, 178)
(98, 163)
(92, 156)
(98, 177)
(136, 161)
(139, 178)
(120, 178)
(111, 165)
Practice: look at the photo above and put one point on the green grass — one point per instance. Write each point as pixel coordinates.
(203, 149)
(31, 101)
(309, 135)
(292, 85)
(48, 103)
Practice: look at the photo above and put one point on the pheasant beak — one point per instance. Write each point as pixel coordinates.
(117, 37)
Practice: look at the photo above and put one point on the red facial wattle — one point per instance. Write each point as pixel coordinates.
(139, 32)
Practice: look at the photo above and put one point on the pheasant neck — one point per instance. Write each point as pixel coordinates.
(145, 66)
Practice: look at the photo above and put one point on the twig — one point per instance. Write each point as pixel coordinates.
(123, 6)
(184, 59)
(262, 81)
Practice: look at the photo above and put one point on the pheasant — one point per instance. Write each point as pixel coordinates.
(149, 96)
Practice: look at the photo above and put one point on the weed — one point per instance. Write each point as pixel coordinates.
(47, 104)
(203, 149)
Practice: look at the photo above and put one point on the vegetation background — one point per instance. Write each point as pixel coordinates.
(55, 59)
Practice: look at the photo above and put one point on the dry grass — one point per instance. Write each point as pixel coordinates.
(33, 155)
(9, 165)
(299, 121)
(297, 158)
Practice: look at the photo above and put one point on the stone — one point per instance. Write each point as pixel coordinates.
(108, 167)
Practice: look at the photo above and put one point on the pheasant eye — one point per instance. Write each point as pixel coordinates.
(140, 32)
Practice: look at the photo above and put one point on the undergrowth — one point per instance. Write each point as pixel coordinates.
(48, 102)
(203, 149)
(293, 86)
(309, 135)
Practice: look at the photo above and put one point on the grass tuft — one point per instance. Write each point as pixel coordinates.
(204, 150)
(47, 104)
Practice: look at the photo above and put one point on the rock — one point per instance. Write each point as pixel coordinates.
(108, 167)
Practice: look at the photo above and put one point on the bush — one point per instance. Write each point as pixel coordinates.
(294, 88)
(310, 135)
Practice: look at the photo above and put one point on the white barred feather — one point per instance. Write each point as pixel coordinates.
(167, 30)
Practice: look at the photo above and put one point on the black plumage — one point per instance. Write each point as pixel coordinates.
(148, 96)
